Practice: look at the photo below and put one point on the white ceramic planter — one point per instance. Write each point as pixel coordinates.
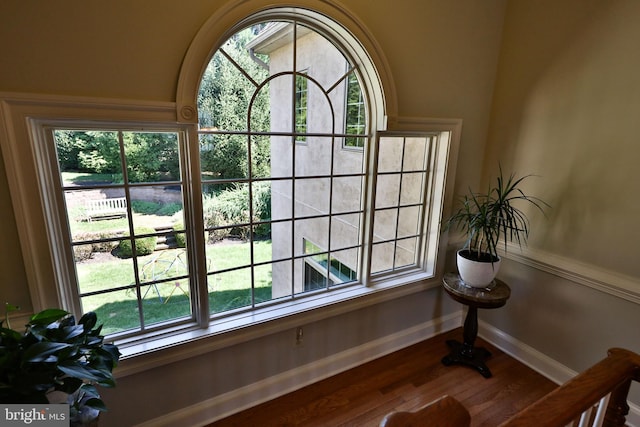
(477, 274)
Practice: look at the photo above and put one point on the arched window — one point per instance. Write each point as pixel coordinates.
(278, 104)
(279, 190)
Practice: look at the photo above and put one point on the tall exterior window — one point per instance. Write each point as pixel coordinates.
(163, 227)
(301, 107)
(355, 117)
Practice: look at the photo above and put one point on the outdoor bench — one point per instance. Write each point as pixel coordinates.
(106, 208)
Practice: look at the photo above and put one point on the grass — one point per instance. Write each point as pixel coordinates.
(79, 178)
(118, 310)
(168, 300)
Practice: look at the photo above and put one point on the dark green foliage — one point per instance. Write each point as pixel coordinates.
(224, 103)
(55, 353)
(155, 208)
(150, 157)
(144, 245)
(99, 236)
(181, 237)
(230, 208)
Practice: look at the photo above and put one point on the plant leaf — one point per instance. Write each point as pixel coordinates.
(96, 403)
(40, 351)
(77, 371)
(48, 316)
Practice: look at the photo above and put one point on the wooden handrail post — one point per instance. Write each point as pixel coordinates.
(618, 408)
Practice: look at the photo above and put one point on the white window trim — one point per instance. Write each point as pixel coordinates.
(18, 130)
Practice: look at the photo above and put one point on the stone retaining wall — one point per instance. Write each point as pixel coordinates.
(77, 198)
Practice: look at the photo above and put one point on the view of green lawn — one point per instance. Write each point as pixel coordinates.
(167, 298)
(118, 311)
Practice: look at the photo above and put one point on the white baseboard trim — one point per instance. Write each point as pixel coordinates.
(218, 407)
(539, 362)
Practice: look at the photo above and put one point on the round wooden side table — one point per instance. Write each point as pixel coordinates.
(494, 296)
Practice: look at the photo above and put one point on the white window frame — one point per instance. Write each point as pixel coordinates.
(25, 118)
(23, 121)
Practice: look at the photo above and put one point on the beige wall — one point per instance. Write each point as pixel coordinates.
(567, 108)
(442, 55)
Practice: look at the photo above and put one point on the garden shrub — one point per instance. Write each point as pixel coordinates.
(181, 237)
(168, 209)
(144, 245)
(82, 252)
(145, 207)
(231, 206)
(99, 235)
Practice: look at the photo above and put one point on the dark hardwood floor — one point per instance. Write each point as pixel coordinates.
(404, 380)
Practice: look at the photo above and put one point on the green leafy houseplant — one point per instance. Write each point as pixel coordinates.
(56, 354)
(486, 218)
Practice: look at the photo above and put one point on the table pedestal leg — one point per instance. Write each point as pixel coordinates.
(465, 353)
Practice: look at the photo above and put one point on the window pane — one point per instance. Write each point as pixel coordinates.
(384, 226)
(281, 203)
(301, 107)
(223, 156)
(314, 158)
(409, 221)
(262, 251)
(229, 253)
(382, 256)
(117, 311)
(412, 188)
(315, 230)
(355, 115)
(415, 154)
(387, 190)
(281, 279)
(281, 240)
(263, 282)
(345, 231)
(231, 290)
(312, 196)
(281, 156)
(151, 157)
(167, 300)
(348, 162)
(164, 265)
(261, 156)
(96, 213)
(406, 252)
(344, 266)
(102, 272)
(347, 193)
(390, 155)
(88, 158)
(158, 207)
(400, 201)
(100, 208)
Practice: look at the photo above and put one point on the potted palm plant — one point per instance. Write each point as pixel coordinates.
(54, 354)
(487, 218)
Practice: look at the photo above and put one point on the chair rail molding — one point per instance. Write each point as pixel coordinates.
(601, 279)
